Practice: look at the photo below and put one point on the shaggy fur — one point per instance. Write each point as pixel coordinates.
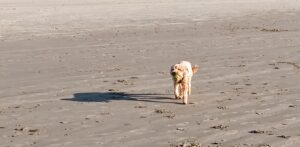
(182, 77)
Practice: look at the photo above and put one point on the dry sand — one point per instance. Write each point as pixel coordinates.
(90, 73)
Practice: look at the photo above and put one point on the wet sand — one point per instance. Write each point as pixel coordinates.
(96, 73)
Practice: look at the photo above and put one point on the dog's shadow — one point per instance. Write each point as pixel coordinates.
(107, 97)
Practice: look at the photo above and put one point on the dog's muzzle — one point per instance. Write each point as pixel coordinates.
(173, 73)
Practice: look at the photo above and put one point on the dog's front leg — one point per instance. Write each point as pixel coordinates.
(176, 90)
(181, 91)
(185, 89)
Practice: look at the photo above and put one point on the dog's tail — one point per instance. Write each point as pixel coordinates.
(195, 69)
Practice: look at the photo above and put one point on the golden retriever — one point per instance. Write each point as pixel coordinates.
(182, 77)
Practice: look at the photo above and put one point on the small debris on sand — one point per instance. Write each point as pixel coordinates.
(30, 131)
(220, 127)
(63, 122)
(284, 136)
(291, 63)
(216, 143)
(264, 145)
(161, 111)
(122, 81)
(261, 132)
(105, 113)
(272, 30)
(140, 106)
(259, 113)
(187, 143)
(166, 113)
(180, 129)
(222, 107)
(171, 115)
(292, 106)
(33, 131)
(125, 82)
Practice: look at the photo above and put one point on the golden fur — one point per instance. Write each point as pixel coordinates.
(182, 75)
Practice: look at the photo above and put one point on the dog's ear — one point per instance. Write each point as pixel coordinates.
(195, 69)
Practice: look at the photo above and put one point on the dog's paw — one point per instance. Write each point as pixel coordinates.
(185, 103)
(181, 96)
(178, 97)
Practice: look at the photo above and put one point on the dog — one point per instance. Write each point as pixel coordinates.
(182, 77)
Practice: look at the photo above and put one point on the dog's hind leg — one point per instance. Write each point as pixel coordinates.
(190, 85)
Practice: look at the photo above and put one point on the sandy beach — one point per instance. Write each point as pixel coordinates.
(95, 73)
